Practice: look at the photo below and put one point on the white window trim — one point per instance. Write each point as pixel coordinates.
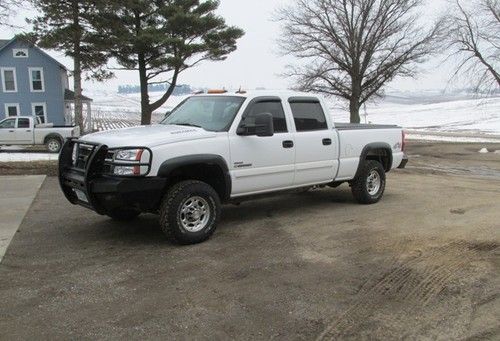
(31, 78)
(40, 104)
(7, 105)
(2, 71)
(15, 51)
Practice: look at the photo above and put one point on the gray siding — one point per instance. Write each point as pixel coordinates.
(53, 95)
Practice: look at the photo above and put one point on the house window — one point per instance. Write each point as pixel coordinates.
(20, 53)
(9, 79)
(36, 79)
(40, 110)
(12, 109)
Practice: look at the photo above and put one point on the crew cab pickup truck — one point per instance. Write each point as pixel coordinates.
(28, 130)
(225, 148)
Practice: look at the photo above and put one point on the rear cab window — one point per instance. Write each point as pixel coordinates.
(308, 114)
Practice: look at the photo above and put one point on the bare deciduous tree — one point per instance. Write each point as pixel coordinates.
(474, 38)
(7, 9)
(352, 48)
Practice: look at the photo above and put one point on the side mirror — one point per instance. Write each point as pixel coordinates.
(263, 127)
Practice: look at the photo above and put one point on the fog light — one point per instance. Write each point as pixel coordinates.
(124, 170)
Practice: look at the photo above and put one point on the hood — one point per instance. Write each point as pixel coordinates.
(148, 136)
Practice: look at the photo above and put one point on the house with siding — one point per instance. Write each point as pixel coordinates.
(34, 83)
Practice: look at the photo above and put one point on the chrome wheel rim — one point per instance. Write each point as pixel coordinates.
(53, 146)
(194, 214)
(373, 183)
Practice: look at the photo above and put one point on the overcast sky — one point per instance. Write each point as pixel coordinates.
(256, 63)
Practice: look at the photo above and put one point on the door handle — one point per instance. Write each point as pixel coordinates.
(11, 131)
(288, 144)
(28, 131)
(327, 142)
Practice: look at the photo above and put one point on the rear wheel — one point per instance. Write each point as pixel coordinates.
(189, 212)
(369, 185)
(53, 145)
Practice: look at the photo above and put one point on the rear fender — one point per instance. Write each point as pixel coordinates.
(374, 147)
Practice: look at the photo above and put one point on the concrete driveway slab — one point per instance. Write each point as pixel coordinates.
(16, 195)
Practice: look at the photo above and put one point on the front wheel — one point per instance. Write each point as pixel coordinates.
(53, 145)
(369, 185)
(189, 212)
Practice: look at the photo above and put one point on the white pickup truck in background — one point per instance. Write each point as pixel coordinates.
(27, 130)
(222, 148)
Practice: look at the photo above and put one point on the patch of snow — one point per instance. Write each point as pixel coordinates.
(463, 119)
(430, 115)
(484, 151)
(27, 157)
(12, 147)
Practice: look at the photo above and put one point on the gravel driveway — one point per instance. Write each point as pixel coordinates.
(424, 263)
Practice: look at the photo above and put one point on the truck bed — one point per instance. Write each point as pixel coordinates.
(359, 126)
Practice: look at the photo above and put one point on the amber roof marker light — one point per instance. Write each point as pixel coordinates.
(215, 92)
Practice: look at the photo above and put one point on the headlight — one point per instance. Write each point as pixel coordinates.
(129, 155)
(131, 162)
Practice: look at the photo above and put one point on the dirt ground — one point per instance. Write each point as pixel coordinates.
(424, 263)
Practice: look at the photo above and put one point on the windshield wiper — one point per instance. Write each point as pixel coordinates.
(187, 125)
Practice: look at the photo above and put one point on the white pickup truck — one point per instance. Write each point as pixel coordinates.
(28, 130)
(223, 148)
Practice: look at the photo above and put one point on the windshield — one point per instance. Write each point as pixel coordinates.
(212, 113)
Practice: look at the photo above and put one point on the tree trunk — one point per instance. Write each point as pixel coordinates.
(354, 109)
(77, 67)
(146, 111)
(168, 93)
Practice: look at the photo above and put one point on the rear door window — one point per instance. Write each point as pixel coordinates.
(308, 115)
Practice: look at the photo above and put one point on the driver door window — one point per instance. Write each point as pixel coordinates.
(274, 108)
(8, 124)
(7, 131)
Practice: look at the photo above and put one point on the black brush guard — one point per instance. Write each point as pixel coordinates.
(78, 176)
(87, 180)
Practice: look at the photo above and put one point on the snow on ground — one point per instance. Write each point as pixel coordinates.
(429, 116)
(115, 111)
(27, 157)
(460, 120)
(426, 116)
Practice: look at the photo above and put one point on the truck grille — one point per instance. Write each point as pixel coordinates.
(83, 154)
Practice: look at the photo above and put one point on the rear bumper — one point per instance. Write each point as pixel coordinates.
(102, 193)
(404, 162)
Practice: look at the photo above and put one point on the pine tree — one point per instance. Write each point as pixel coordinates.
(162, 38)
(76, 28)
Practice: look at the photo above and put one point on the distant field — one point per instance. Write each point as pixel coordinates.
(427, 116)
